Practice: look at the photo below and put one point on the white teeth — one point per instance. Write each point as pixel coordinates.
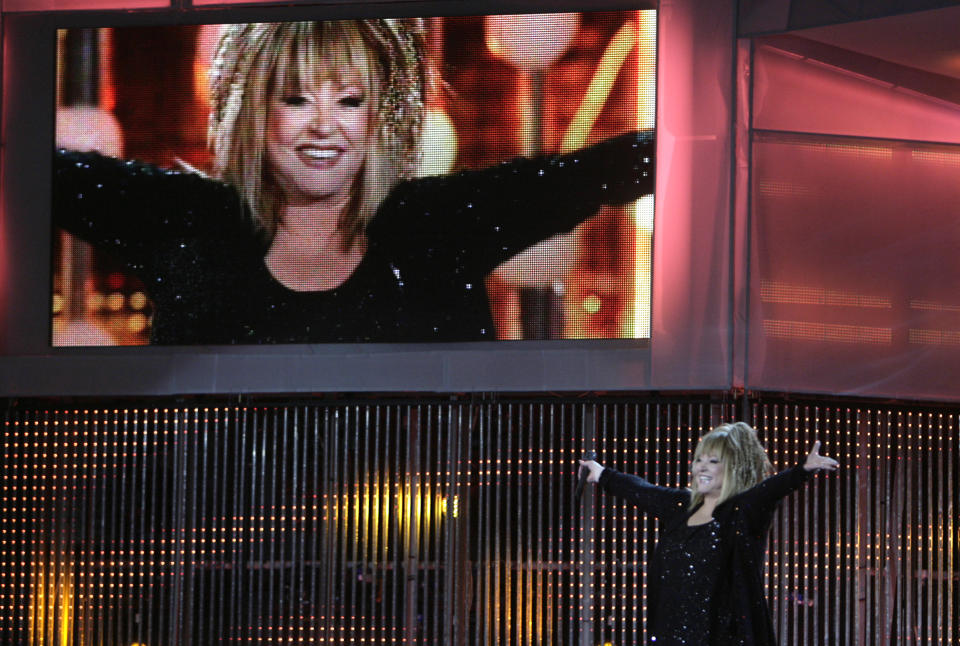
(319, 153)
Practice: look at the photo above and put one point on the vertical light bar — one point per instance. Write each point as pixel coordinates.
(842, 508)
(298, 525)
(494, 468)
(11, 538)
(809, 557)
(862, 530)
(537, 521)
(481, 635)
(849, 524)
(290, 526)
(388, 432)
(631, 581)
(510, 585)
(500, 577)
(214, 504)
(901, 531)
(192, 484)
(936, 528)
(8, 531)
(377, 554)
(37, 572)
(442, 467)
(781, 536)
(368, 521)
(626, 598)
(601, 576)
(278, 565)
(929, 462)
(793, 528)
(554, 460)
(953, 535)
(885, 513)
(527, 488)
(525, 511)
(588, 536)
(616, 595)
(910, 609)
(481, 581)
(396, 429)
(238, 534)
(831, 562)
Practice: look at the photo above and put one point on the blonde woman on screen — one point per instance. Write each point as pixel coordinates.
(312, 228)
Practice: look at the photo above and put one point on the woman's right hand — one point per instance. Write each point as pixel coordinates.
(594, 469)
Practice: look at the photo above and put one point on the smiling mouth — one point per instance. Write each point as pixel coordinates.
(312, 153)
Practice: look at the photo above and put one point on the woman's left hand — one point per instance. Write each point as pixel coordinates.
(816, 462)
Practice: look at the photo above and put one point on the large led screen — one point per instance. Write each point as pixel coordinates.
(371, 180)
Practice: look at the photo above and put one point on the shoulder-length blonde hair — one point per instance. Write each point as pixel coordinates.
(256, 61)
(744, 459)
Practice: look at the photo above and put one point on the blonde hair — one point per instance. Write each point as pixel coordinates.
(256, 61)
(744, 459)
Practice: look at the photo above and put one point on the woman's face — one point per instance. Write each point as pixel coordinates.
(707, 472)
(317, 140)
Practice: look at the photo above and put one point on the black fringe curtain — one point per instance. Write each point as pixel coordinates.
(446, 521)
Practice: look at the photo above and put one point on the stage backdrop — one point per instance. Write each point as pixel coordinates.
(447, 521)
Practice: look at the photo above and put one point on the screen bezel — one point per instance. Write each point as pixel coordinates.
(32, 366)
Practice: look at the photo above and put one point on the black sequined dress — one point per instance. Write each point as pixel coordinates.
(705, 584)
(430, 245)
(689, 562)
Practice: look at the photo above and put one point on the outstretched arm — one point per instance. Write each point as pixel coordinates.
(119, 205)
(649, 498)
(487, 216)
(761, 501)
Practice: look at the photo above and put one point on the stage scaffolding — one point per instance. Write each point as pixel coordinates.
(446, 519)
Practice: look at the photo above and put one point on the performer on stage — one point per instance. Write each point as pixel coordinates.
(311, 229)
(705, 577)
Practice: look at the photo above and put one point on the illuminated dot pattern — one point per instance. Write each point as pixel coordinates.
(391, 521)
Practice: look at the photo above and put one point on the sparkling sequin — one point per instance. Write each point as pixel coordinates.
(689, 563)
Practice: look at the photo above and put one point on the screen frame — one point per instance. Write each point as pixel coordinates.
(30, 366)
